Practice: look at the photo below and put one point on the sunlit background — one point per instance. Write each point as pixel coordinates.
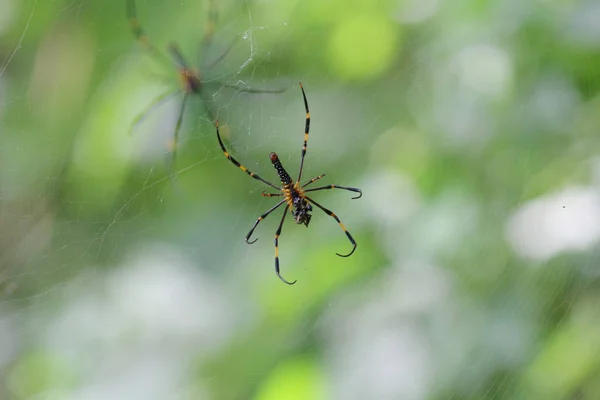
(472, 127)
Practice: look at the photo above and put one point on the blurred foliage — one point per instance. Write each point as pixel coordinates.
(456, 118)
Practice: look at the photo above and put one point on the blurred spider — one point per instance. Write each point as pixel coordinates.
(293, 194)
(192, 82)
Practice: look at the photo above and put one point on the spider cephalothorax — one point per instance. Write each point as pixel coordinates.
(191, 81)
(294, 194)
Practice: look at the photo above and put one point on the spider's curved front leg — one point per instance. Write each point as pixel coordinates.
(351, 189)
(247, 239)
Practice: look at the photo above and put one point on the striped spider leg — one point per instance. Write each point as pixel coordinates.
(293, 194)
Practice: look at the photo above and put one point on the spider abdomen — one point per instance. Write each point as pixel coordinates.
(286, 179)
(299, 205)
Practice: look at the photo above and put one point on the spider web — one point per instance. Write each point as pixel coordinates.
(476, 146)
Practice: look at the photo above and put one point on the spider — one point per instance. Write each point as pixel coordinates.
(294, 195)
(192, 81)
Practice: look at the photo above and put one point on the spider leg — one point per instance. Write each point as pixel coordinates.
(159, 76)
(247, 239)
(338, 187)
(177, 56)
(265, 194)
(210, 28)
(237, 164)
(252, 90)
(222, 56)
(175, 140)
(313, 180)
(140, 35)
(206, 102)
(155, 103)
(306, 129)
(339, 222)
(277, 233)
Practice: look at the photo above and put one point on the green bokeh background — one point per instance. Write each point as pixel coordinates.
(454, 117)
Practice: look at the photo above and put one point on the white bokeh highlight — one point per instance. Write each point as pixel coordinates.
(417, 11)
(565, 221)
(583, 26)
(137, 331)
(7, 16)
(392, 198)
(484, 68)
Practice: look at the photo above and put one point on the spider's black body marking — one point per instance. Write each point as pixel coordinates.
(286, 179)
(293, 193)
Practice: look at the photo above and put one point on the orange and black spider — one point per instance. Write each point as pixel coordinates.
(192, 81)
(293, 194)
